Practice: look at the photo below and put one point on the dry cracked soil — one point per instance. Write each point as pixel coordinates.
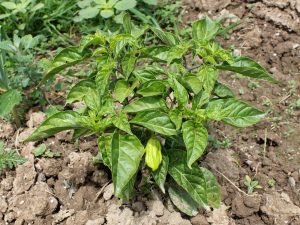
(70, 190)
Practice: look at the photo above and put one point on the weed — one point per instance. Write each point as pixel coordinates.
(9, 158)
(251, 184)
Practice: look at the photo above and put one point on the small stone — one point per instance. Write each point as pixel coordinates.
(108, 192)
(7, 183)
(100, 177)
(199, 220)
(292, 182)
(156, 206)
(138, 206)
(9, 217)
(98, 221)
(3, 205)
(50, 167)
(36, 119)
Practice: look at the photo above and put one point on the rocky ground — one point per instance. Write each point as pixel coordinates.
(70, 190)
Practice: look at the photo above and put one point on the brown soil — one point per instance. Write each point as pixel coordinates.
(69, 190)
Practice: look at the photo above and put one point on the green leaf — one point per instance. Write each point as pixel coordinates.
(104, 145)
(160, 174)
(182, 200)
(126, 154)
(56, 123)
(195, 137)
(121, 122)
(168, 54)
(122, 90)
(166, 37)
(200, 99)
(200, 183)
(150, 2)
(234, 112)
(128, 64)
(193, 83)
(223, 91)
(156, 121)
(119, 41)
(125, 5)
(107, 13)
(65, 58)
(89, 12)
(9, 158)
(9, 5)
(103, 75)
(145, 104)
(40, 150)
(37, 7)
(205, 29)
(176, 117)
(8, 100)
(248, 67)
(152, 88)
(80, 90)
(149, 73)
(180, 93)
(127, 23)
(208, 76)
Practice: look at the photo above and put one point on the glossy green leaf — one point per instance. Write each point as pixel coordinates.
(89, 12)
(166, 37)
(180, 93)
(92, 39)
(208, 76)
(195, 137)
(200, 183)
(125, 5)
(200, 99)
(80, 90)
(56, 123)
(119, 41)
(123, 90)
(128, 64)
(156, 121)
(145, 104)
(126, 154)
(65, 58)
(106, 13)
(234, 112)
(160, 175)
(127, 24)
(103, 75)
(193, 83)
(176, 117)
(182, 200)
(248, 67)
(205, 29)
(149, 73)
(8, 100)
(121, 122)
(104, 145)
(9, 5)
(168, 54)
(152, 88)
(223, 91)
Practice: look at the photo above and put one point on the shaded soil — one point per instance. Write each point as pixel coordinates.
(70, 190)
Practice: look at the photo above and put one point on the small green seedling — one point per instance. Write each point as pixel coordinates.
(9, 158)
(251, 184)
(42, 150)
(271, 183)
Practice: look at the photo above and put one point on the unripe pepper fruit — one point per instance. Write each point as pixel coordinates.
(153, 153)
